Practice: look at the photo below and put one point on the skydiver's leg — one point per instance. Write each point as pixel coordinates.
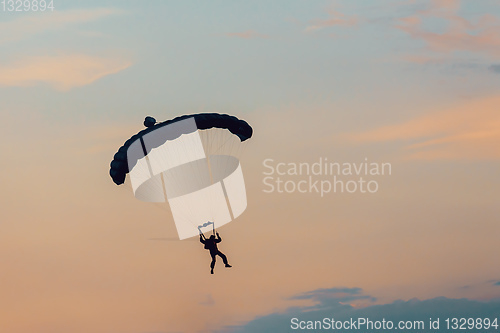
(212, 264)
(224, 258)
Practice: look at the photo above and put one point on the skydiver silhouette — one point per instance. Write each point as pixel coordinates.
(211, 245)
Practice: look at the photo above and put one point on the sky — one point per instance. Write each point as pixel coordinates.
(415, 84)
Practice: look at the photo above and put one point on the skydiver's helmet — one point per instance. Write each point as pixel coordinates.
(212, 237)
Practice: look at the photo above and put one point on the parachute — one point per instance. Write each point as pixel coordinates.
(192, 163)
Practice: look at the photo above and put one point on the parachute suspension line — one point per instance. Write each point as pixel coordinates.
(215, 141)
(209, 137)
(211, 183)
(234, 143)
(188, 184)
(226, 197)
(187, 212)
(202, 177)
(223, 143)
(160, 205)
(146, 157)
(199, 178)
(218, 142)
(221, 139)
(164, 161)
(201, 233)
(206, 224)
(163, 186)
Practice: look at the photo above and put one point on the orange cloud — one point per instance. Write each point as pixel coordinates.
(249, 34)
(62, 72)
(479, 36)
(470, 131)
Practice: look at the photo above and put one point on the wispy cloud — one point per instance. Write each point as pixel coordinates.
(313, 294)
(62, 72)
(329, 295)
(248, 34)
(27, 26)
(479, 36)
(468, 131)
(335, 18)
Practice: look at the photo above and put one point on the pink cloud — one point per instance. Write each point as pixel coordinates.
(478, 36)
(62, 72)
(468, 131)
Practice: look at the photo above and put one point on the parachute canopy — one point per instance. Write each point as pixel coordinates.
(119, 165)
(190, 162)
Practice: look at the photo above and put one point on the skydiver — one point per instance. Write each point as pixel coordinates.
(211, 245)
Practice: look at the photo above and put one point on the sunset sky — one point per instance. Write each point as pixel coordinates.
(412, 83)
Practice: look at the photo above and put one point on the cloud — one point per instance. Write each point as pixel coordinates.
(411, 310)
(249, 34)
(466, 131)
(483, 287)
(335, 18)
(326, 292)
(495, 68)
(27, 26)
(333, 295)
(478, 36)
(62, 72)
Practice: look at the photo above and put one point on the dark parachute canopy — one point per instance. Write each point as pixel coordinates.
(119, 165)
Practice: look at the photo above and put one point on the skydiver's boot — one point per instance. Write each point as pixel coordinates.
(224, 259)
(212, 271)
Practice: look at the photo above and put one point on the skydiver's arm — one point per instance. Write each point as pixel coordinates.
(201, 239)
(218, 240)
